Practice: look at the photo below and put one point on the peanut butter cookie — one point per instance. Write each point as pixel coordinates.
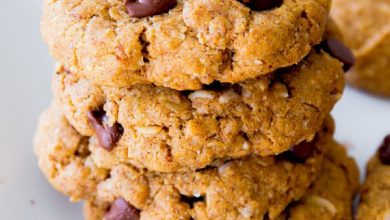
(167, 130)
(249, 187)
(366, 28)
(180, 44)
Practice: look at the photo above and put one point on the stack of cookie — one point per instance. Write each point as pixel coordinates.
(196, 109)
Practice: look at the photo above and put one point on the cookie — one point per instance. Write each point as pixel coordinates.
(375, 192)
(329, 198)
(366, 28)
(167, 130)
(67, 160)
(332, 193)
(182, 45)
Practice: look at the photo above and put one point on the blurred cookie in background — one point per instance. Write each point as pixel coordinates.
(366, 28)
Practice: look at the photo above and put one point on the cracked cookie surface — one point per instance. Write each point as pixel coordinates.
(366, 29)
(67, 160)
(167, 130)
(196, 43)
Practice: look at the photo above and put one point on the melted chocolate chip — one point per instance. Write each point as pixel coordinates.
(384, 151)
(106, 135)
(122, 210)
(191, 200)
(302, 151)
(262, 5)
(145, 8)
(339, 51)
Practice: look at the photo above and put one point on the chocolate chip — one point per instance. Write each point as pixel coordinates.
(217, 86)
(262, 5)
(191, 200)
(302, 151)
(68, 72)
(106, 135)
(339, 51)
(122, 210)
(145, 8)
(384, 151)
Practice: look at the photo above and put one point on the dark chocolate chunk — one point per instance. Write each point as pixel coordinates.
(302, 151)
(191, 200)
(106, 135)
(121, 210)
(384, 151)
(339, 51)
(145, 8)
(262, 5)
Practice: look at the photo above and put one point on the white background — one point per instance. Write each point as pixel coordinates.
(25, 69)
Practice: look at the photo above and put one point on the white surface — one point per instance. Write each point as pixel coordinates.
(362, 121)
(25, 69)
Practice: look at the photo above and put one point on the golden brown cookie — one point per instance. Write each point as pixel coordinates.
(332, 193)
(249, 187)
(375, 192)
(167, 130)
(366, 28)
(328, 198)
(181, 45)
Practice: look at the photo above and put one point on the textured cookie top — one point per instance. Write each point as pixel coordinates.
(231, 186)
(332, 194)
(375, 192)
(167, 130)
(196, 42)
